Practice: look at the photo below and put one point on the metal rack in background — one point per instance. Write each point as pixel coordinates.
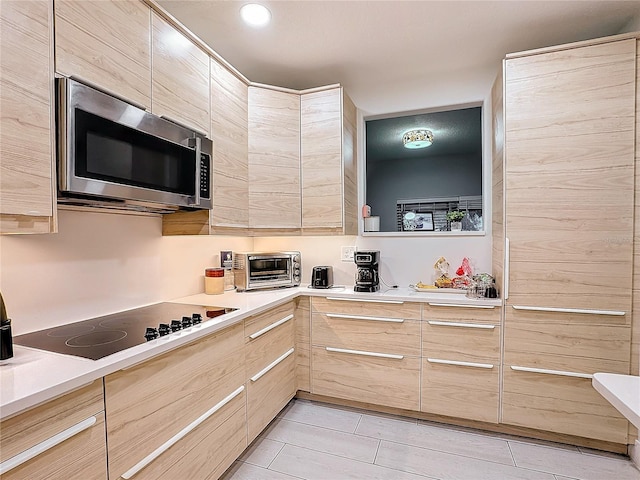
(438, 207)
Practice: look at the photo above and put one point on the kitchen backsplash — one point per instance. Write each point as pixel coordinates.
(403, 260)
(100, 263)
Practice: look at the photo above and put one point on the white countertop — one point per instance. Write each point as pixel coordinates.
(622, 391)
(34, 376)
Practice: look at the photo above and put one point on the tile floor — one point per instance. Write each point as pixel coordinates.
(315, 441)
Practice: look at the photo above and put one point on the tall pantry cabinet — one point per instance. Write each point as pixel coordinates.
(569, 123)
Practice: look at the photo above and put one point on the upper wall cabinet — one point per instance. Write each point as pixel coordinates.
(274, 160)
(229, 132)
(107, 44)
(328, 162)
(180, 86)
(26, 93)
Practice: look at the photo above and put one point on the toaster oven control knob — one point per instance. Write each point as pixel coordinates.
(164, 329)
(176, 325)
(296, 265)
(196, 318)
(296, 258)
(186, 322)
(151, 334)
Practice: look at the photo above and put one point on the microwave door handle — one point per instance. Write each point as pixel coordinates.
(198, 149)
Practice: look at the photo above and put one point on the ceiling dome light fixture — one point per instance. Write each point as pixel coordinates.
(255, 14)
(419, 138)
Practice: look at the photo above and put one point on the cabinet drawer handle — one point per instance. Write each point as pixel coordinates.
(460, 364)
(266, 369)
(181, 434)
(460, 305)
(45, 445)
(366, 354)
(464, 325)
(551, 372)
(270, 327)
(364, 300)
(358, 317)
(569, 310)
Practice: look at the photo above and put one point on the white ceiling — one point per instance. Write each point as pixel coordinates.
(395, 56)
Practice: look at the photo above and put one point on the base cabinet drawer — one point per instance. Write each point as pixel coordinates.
(559, 403)
(205, 450)
(379, 308)
(370, 377)
(149, 405)
(83, 456)
(63, 438)
(460, 389)
(379, 334)
(268, 391)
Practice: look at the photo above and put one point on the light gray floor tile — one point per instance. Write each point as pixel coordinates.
(572, 464)
(324, 416)
(436, 437)
(560, 477)
(323, 440)
(246, 471)
(312, 465)
(500, 436)
(446, 466)
(261, 452)
(600, 453)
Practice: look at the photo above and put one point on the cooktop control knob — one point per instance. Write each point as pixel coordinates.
(164, 329)
(186, 322)
(176, 325)
(151, 334)
(196, 318)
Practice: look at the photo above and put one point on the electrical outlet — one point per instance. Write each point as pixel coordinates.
(347, 254)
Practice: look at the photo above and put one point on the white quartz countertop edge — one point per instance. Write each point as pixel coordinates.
(34, 376)
(621, 391)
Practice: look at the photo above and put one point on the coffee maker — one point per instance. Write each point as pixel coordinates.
(367, 279)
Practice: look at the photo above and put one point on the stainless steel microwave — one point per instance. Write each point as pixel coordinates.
(259, 270)
(115, 155)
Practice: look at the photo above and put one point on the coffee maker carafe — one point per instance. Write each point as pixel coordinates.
(367, 279)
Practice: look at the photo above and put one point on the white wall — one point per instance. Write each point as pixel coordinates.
(100, 263)
(403, 260)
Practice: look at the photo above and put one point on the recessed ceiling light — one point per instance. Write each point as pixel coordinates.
(255, 14)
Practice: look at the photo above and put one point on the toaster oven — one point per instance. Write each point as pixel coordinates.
(258, 270)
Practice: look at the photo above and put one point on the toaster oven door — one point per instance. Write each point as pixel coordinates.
(269, 271)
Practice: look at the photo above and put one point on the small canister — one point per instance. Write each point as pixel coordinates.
(214, 281)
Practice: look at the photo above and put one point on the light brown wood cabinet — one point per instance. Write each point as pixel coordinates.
(461, 361)
(569, 208)
(107, 44)
(27, 202)
(274, 160)
(303, 344)
(81, 456)
(200, 386)
(180, 77)
(229, 132)
(271, 365)
(328, 162)
(366, 351)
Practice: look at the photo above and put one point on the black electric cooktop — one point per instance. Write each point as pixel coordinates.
(98, 337)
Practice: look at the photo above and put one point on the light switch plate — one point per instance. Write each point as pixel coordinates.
(347, 254)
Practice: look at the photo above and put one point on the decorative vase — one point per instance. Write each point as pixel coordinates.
(456, 226)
